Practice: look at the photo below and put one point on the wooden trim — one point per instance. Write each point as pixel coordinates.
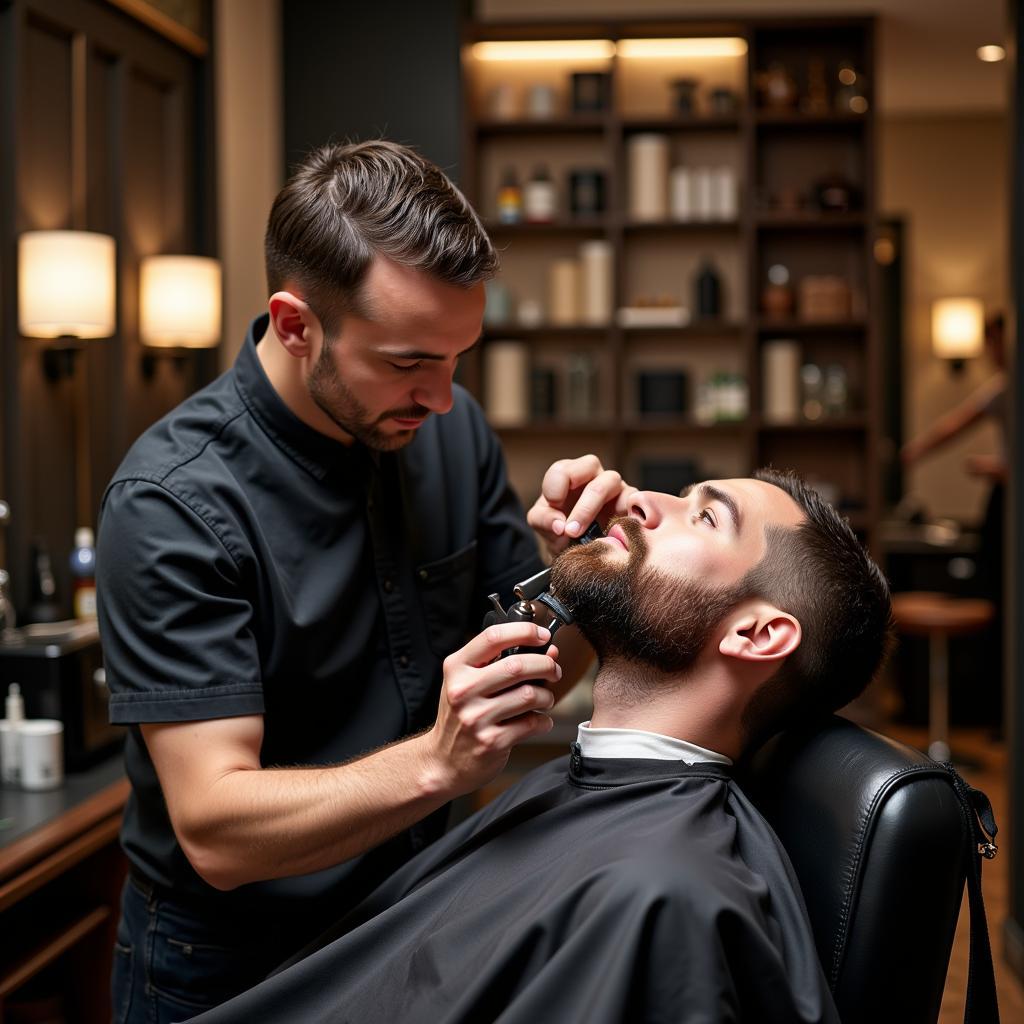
(29, 966)
(166, 26)
(58, 862)
(51, 837)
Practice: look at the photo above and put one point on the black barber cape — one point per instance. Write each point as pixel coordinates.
(621, 890)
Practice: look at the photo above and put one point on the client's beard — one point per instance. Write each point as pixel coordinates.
(634, 612)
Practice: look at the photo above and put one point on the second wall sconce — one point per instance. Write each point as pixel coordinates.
(179, 305)
(66, 292)
(958, 330)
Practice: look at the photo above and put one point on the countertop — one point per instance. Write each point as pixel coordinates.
(32, 825)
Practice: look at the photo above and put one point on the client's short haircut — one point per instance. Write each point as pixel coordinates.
(820, 572)
(348, 202)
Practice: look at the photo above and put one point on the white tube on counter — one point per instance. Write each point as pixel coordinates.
(648, 177)
(780, 381)
(596, 290)
(564, 292)
(507, 383)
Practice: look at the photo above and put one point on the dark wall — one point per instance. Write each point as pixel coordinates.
(1013, 934)
(381, 68)
(104, 126)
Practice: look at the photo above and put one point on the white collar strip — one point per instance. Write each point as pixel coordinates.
(636, 743)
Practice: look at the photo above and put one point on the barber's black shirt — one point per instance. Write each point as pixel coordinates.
(250, 565)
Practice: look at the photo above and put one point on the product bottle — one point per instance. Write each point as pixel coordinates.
(708, 292)
(83, 572)
(539, 197)
(14, 709)
(510, 198)
(44, 606)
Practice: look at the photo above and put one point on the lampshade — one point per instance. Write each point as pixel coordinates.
(179, 301)
(66, 284)
(958, 328)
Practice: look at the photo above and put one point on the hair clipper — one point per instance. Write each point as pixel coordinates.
(537, 602)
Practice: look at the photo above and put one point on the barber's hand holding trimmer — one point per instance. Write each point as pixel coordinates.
(489, 705)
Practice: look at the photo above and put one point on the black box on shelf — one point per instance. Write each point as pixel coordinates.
(543, 405)
(661, 393)
(667, 475)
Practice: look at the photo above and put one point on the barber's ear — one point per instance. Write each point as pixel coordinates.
(760, 632)
(295, 324)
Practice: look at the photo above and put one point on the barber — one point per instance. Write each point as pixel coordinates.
(286, 562)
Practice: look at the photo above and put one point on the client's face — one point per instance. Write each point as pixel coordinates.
(631, 609)
(657, 588)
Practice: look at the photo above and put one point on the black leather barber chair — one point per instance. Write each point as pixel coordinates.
(882, 839)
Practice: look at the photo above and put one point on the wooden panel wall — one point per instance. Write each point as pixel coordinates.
(105, 125)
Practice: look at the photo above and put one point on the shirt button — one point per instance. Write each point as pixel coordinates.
(403, 660)
(388, 586)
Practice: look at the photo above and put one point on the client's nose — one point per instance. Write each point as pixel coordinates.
(646, 506)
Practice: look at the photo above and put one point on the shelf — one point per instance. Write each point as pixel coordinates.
(679, 226)
(697, 329)
(680, 124)
(794, 119)
(558, 227)
(835, 425)
(677, 425)
(812, 220)
(581, 125)
(804, 327)
(514, 331)
(553, 428)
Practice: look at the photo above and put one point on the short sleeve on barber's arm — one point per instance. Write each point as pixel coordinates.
(175, 623)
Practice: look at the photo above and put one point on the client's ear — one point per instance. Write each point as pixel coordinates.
(295, 324)
(759, 631)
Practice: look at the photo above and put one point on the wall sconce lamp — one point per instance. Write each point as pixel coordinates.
(958, 330)
(179, 306)
(66, 291)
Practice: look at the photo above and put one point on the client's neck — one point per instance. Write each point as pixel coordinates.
(695, 707)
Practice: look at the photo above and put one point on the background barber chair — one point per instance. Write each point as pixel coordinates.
(882, 839)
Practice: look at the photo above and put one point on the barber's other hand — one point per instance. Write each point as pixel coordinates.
(487, 707)
(573, 494)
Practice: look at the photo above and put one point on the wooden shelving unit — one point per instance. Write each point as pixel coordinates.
(770, 150)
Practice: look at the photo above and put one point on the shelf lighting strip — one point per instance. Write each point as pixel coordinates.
(605, 49)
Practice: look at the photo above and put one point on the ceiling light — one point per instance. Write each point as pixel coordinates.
(708, 46)
(545, 49)
(991, 54)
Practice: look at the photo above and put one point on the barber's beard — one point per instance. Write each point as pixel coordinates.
(634, 612)
(337, 399)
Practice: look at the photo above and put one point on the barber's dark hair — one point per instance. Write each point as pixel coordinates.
(820, 573)
(347, 202)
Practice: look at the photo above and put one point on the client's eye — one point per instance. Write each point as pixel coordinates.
(707, 516)
(411, 366)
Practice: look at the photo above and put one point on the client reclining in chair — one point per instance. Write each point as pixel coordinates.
(633, 880)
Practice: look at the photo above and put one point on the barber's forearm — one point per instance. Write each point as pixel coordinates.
(267, 823)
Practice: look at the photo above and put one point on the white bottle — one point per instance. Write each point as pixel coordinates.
(681, 194)
(702, 198)
(725, 198)
(10, 749)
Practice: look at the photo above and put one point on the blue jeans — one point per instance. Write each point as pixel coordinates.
(171, 964)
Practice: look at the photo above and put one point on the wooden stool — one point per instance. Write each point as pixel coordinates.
(938, 617)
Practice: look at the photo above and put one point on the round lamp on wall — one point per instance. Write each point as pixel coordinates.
(180, 302)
